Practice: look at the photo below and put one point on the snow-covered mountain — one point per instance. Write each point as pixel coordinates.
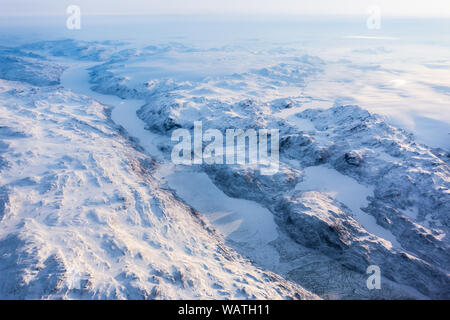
(82, 215)
(92, 207)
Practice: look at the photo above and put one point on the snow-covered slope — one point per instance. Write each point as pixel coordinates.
(24, 66)
(83, 217)
(374, 174)
(87, 193)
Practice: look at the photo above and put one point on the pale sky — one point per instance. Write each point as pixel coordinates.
(417, 8)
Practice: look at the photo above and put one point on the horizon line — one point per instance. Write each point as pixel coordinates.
(215, 14)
